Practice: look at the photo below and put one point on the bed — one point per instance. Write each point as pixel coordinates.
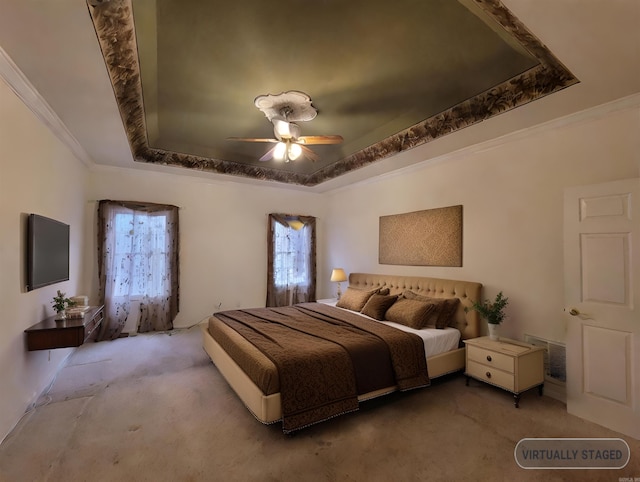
(259, 380)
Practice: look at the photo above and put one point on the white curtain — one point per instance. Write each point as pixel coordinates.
(138, 260)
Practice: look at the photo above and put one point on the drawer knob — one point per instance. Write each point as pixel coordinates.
(488, 374)
(488, 357)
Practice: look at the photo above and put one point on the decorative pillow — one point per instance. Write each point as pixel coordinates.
(383, 291)
(432, 318)
(354, 299)
(415, 296)
(377, 306)
(412, 313)
(447, 315)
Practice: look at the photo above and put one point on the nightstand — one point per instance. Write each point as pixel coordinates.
(512, 365)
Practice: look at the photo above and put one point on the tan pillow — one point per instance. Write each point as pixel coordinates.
(415, 296)
(447, 315)
(438, 303)
(354, 299)
(377, 306)
(411, 313)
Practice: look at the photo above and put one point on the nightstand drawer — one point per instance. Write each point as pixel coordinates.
(491, 375)
(491, 358)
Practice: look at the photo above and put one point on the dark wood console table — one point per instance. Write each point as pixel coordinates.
(49, 333)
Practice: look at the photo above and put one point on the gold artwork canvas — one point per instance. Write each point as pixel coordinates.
(422, 238)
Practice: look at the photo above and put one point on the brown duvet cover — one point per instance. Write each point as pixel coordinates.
(326, 357)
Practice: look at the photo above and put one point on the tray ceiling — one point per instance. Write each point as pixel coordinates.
(386, 76)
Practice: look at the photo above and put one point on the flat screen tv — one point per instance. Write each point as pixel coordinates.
(47, 252)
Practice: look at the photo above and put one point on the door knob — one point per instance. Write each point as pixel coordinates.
(582, 316)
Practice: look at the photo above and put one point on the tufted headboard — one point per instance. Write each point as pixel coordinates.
(468, 291)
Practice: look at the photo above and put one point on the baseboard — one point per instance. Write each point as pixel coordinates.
(556, 391)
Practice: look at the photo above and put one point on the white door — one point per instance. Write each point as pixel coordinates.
(602, 293)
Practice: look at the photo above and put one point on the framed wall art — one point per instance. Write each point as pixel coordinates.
(432, 237)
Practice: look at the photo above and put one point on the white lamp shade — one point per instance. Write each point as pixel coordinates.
(294, 151)
(280, 151)
(285, 130)
(338, 275)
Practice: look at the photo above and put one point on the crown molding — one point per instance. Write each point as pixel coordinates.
(30, 96)
(587, 115)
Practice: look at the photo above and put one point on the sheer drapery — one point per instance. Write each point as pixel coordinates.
(138, 259)
(291, 270)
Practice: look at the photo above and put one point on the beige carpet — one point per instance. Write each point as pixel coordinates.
(154, 408)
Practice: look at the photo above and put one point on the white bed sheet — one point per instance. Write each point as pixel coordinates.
(435, 341)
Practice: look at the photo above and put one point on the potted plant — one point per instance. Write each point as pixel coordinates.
(60, 304)
(493, 312)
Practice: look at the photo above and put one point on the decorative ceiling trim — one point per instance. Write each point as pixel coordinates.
(114, 25)
(25, 91)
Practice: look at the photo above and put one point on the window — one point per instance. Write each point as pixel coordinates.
(138, 259)
(291, 255)
(140, 252)
(291, 267)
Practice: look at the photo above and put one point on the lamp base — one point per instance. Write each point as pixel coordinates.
(339, 294)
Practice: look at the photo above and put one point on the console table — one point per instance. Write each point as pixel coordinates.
(49, 333)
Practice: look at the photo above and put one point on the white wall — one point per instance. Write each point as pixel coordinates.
(223, 233)
(512, 196)
(38, 174)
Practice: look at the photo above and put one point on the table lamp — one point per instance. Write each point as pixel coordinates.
(338, 275)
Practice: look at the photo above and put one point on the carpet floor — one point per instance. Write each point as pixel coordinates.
(154, 408)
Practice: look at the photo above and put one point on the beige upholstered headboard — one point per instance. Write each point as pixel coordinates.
(468, 291)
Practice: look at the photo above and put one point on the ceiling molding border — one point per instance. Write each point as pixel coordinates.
(587, 115)
(29, 95)
(114, 25)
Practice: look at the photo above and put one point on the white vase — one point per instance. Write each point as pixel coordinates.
(493, 331)
(61, 315)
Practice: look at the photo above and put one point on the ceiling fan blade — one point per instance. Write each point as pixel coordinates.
(320, 139)
(269, 155)
(251, 139)
(309, 153)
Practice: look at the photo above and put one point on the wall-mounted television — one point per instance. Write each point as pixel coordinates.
(47, 252)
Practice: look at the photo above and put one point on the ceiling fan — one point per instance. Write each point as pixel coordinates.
(282, 110)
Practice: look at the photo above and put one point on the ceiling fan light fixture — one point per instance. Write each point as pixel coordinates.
(280, 151)
(281, 129)
(285, 130)
(281, 110)
(294, 151)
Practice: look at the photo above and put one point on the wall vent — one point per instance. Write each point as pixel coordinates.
(555, 359)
